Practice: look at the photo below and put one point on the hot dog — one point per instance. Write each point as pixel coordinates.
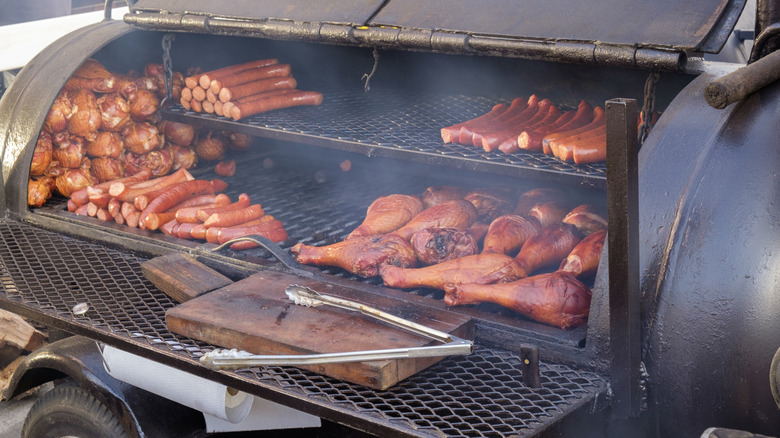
(202, 214)
(592, 150)
(598, 118)
(167, 228)
(564, 148)
(81, 196)
(156, 220)
(126, 192)
(184, 231)
(512, 127)
(582, 117)
(229, 233)
(451, 134)
(531, 140)
(297, 98)
(226, 94)
(275, 235)
(510, 144)
(471, 134)
(250, 75)
(199, 94)
(234, 217)
(204, 79)
(189, 213)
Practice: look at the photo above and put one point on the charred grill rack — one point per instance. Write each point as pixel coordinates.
(480, 395)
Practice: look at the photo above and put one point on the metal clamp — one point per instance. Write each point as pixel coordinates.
(304, 296)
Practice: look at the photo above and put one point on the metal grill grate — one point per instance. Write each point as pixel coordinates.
(47, 273)
(401, 126)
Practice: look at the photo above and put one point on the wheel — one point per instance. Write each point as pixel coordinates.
(68, 410)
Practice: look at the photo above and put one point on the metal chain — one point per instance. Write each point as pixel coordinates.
(167, 40)
(648, 107)
(367, 77)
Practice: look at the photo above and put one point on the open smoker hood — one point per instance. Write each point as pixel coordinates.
(656, 35)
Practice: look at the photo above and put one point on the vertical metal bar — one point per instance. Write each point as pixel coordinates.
(623, 241)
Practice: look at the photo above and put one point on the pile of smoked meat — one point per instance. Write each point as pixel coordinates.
(104, 146)
(526, 252)
(536, 125)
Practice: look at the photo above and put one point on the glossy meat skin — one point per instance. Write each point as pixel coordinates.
(586, 218)
(388, 213)
(57, 119)
(42, 155)
(491, 202)
(361, 255)
(450, 214)
(114, 112)
(85, 118)
(437, 245)
(435, 195)
(479, 268)
(583, 261)
(549, 213)
(528, 199)
(557, 299)
(508, 233)
(549, 247)
(106, 144)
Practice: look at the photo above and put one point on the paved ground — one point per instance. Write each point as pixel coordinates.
(12, 412)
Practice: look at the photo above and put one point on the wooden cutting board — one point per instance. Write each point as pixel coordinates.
(256, 315)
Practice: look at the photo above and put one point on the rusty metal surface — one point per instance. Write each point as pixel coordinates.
(44, 274)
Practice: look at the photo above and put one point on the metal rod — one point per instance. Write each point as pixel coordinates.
(623, 250)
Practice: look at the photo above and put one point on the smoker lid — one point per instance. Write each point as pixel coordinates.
(701, 25)
(657, 34)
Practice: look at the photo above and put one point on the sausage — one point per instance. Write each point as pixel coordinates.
(167, 228)
(184, 231)
(212, 234)
(81, 197)
(234, 217)
(104, 215)
(275, 235)
(208, 107)
(226, 234)
(250, 75)
(592, 150)
(598, 118)
(451, 134)
(218, 107)
(82, 210)
(189, 214)
(132, 219)
(564, 148)
(199, 94)
(225, 168)
(205, 78)
(191, 82)
(510, 145)
(72, 206)
(156, 220)
(175, 194)
(531, 140)
(127, 193)
(243, 201)
(211, 96)
(227, 94)
(200, 200)
(119, 219)
(186, 94)
(297, 98)
(98, 197)
(198, 232)
(472, 134)
(197, 106)
(512, 127)
(185, 103)
(114, 207)
(583, 116)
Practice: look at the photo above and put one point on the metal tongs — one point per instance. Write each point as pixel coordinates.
(304, 296)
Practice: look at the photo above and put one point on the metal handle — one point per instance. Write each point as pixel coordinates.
(738, 84)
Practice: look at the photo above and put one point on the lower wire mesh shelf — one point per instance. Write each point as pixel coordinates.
(45, 274)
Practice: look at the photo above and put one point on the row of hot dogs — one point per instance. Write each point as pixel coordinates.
(525, 253)
(245, 89)
(537, 126)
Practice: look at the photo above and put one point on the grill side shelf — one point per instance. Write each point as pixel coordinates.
(404, 127)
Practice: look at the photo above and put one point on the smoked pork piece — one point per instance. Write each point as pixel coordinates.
(437, 245)
(114, 112)
(74, 179)
(39, 191)
(361, 255)
(451, 214)
(183, 157)
(180, 133)
(549, 213)
(508, 233)
(435, 195)
(107, 144)
(68, 151)
(491, 202)
(532, 197)
(159, 161)
(557, 299)
(85, 118)
(586, 218)
(388, 213)
(143, 104)
(59, 113)
(583, 261)
(141, 138)
(549, 247)
(42, 155)
(479, 268)
(106, 169)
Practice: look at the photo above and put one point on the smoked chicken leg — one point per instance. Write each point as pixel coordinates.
(557, 299)
(508, 233)
(586, 218)
(583, 261)
(388, 213)
(361, 255)
(479, 268)
(549, 247)
(528, 199)
(450, 214)
(437, 245)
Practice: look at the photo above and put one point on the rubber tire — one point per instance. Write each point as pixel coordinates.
(68, 410)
